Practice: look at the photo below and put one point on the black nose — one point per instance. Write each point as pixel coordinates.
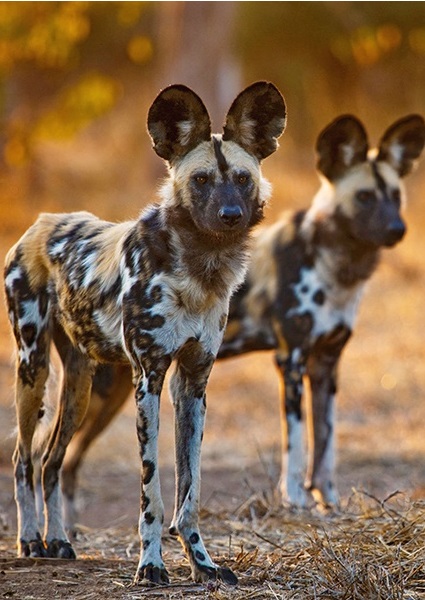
(230, 215)
(394, 232)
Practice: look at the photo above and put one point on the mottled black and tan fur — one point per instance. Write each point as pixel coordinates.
(301, 295)
(305, 281)
(144, 293)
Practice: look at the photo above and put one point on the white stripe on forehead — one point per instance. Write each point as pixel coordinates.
(388, 174)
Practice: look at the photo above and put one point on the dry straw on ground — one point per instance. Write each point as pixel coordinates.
(371, 550)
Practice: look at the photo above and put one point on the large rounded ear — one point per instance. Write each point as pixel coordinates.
(256, 119)
(340, 146)
(403, 143)
(177, 122)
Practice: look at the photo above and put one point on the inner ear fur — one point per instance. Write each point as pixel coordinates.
(177, 122)
(402, 143)
(256, 118)
(340, 146)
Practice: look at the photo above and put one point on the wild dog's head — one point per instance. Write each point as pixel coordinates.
(364, 191)
(216, 179)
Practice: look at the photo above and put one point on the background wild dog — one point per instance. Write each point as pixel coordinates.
(301, 296)
(305, 281)
(143, 292)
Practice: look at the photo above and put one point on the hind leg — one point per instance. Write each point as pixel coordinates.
(111, 387)
(29, 317)
(72, 407)
(28, 402)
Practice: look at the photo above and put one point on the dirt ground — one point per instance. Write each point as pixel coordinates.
(380, 452)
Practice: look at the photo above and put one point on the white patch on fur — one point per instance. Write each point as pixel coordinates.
(265, 191)
(54, 529)
(89, 261)
(56, 250)
(392, 180)
(110, 323)
(340, 305)
(27, 514)
(14, 275)
(189, 320)
(127, 280)
(152, 554)
(31, 317)
(294, 469)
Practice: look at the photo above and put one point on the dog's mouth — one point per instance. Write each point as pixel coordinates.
(394, 235)
(389, 238)
(226, 223)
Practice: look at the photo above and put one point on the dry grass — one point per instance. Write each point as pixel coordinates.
(371, 550)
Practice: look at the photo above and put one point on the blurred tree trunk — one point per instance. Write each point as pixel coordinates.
(196, 49)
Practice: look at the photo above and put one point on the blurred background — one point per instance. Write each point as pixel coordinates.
(77, 78)
(76, 81)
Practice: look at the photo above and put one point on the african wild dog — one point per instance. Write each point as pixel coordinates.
(301, 296)
(307, 277)
(144, 292)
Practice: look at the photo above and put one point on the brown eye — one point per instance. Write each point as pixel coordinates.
(366, 196)
(243, 178)
(201, 179)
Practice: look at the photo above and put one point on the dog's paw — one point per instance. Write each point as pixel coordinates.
(32, 549)
(151, 574)
(204, 574)
(60, 549)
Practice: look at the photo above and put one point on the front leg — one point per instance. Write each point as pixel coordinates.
(292, 482)
(148, 389)
(321, 470)
(322, 370)
(188, 392)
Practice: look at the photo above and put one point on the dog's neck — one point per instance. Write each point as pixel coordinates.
(216, 262)
(349, 260)
(205, 268)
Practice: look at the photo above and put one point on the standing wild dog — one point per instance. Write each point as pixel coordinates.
(146, 293)
(307, 277)
(301, 295)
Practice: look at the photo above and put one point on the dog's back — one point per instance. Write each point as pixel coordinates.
(66, 266)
